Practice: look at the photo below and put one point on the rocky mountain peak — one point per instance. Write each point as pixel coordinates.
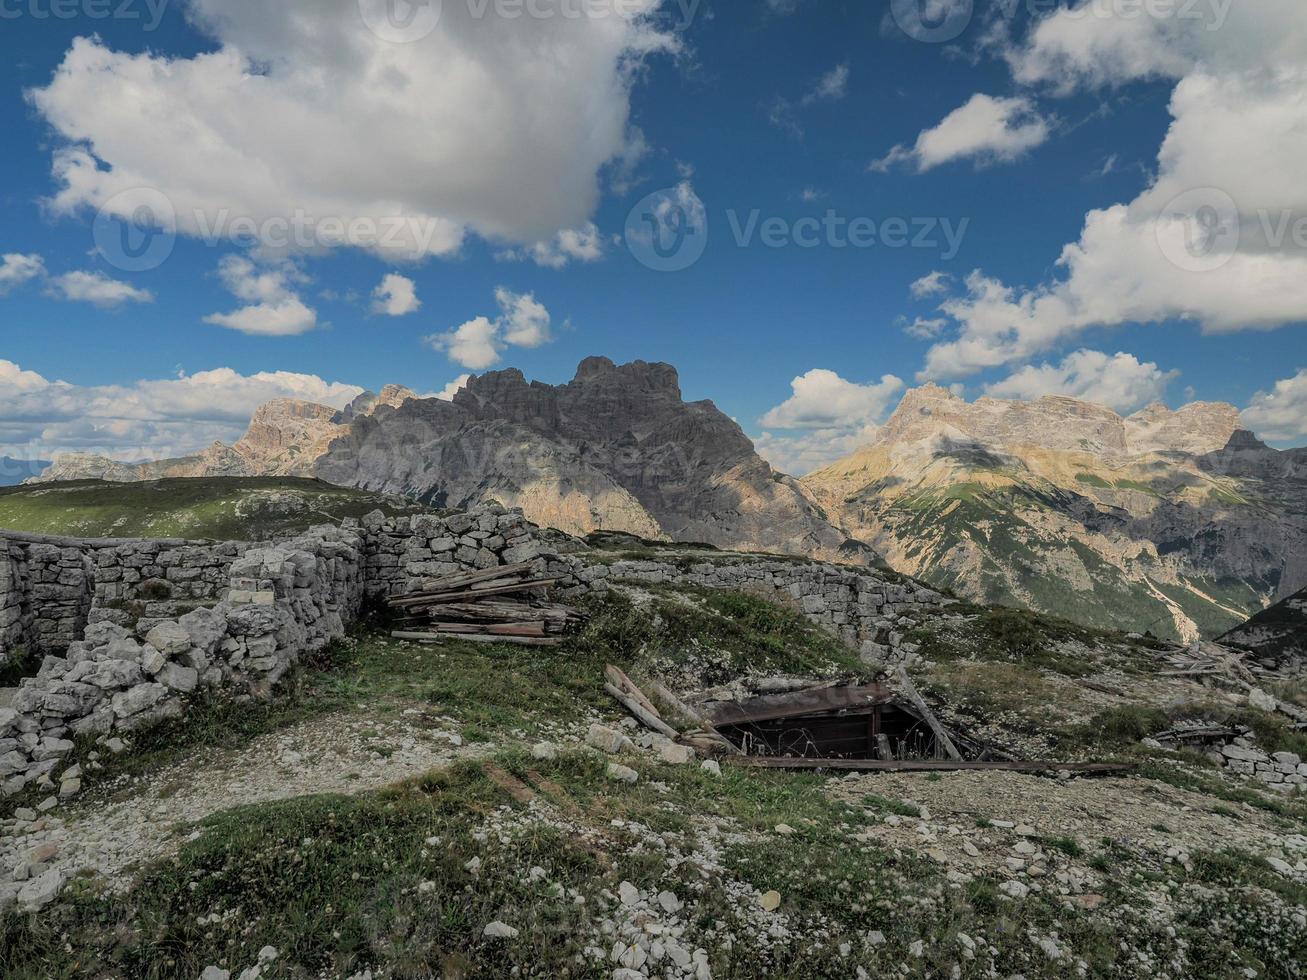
(1197, 428)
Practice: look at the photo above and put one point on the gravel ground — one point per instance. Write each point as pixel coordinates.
(148, 818)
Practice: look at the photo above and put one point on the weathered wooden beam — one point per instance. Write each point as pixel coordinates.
(929, 765)
(909, 690)
(439, 637)
(643, 714)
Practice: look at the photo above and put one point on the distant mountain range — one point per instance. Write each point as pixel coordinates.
(1178, 522)
(616, 448)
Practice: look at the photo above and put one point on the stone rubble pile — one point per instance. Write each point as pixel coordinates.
(861, 607)
(1283, 771)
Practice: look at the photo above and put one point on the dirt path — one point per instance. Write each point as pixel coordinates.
(339, 754)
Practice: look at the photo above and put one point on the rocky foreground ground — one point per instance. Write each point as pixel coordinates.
(459, 811)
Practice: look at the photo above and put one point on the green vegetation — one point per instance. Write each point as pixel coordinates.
(1125, 725)
(710, 636)
(220, 508)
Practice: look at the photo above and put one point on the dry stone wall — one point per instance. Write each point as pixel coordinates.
(238, 616)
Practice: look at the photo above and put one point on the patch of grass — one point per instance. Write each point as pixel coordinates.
(1183, 777)
(1234, 868)
(1066, 845)
(221, 508)
(333, 883)
(1124, 725)
(883, 804)
(709, 636)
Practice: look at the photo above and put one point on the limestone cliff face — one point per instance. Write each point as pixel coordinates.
(616, 448)
(1179, 522)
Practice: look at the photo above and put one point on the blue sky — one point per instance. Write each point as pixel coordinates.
(1024, 134)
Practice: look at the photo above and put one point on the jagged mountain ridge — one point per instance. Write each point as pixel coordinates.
(1176, 521)
(615, 448)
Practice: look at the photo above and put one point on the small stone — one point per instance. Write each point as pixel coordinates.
(499, 930)
(970, 849)
(711, 766)
(785, 829)
(669, 902)
(48, 804)
(40, 891)
(1259, 699)
(116, 745)
(1014, 889)
(621, 774)
(770, 901)
(215, 973)
(876, 938)
(169, 639)
(605, 739)
(628, 893)
(677, 755)
(179, 678)
(70, 787)
(545, 751)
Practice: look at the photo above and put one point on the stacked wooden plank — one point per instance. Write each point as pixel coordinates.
(506, 604)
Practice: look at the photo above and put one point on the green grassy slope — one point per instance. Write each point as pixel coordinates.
(1023, 565)
(222, 508)
(403, 881)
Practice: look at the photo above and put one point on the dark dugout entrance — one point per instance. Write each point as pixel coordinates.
(865, 721)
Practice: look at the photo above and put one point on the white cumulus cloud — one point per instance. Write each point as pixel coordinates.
(98, 289)
(931, 284)
(1119, 381)
(498, 125)
(1280, 415)
(1211, 240)
(147, 419)
(838, 416)
(16, 269)
(274, 308)
(986, 129)
(822, 399)
(396, 296)
(477, 344)
(584, 244)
